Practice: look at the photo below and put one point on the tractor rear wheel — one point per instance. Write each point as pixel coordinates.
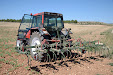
(36, 39)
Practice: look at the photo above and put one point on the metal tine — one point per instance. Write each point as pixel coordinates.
(95, 51)
(69, 52)
(88, 53)
(48, 59)
(63, 55)
(99, 51)
(54, 56)
(108, 52)
(77, 52)
(29, 61)
(74, 52)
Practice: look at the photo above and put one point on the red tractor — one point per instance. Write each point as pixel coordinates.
(45, 31)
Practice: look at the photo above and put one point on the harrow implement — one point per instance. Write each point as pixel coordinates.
(52, 52)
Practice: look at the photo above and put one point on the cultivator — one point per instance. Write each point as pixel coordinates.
(44, 37)
(53, 52)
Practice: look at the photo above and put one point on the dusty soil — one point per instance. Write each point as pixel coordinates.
(85, 65)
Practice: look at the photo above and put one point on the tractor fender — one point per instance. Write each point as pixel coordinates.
(28, 34)
(33, 30)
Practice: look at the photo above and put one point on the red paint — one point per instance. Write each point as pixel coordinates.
(55, 40)
(28, 34)
(31, 13)
(35, 56)
(78, 40)
(43, 29)
(98, 41)
(80, 44)
(70, 39)
(39, 14)
(35, 14)
(56, 45)
(83, 51)
(46, 34)
(42, 19)
(35, 28)
(23, 48)
(43, 42)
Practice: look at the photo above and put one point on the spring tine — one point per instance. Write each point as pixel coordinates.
(63, 54)
(95, 51)
(54, 56)
(77, 52)
(69, 52)
(99, 51)
(108, 52)
(74, 52)
(49, 57)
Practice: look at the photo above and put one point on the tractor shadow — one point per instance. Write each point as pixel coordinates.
(74, 59)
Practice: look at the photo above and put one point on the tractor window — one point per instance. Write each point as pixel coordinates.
(26, 22)
(34, 22)
(52, 21)
(39, 20)
(49, 21)
(59, 22)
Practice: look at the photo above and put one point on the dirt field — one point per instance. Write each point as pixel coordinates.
(12, 63)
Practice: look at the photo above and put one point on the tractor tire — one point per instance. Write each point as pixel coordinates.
(18, 43)
(36, 39)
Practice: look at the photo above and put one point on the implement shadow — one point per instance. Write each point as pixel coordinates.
(49, 66)
(35, 68)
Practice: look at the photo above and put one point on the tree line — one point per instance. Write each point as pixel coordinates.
(10, 20)
(19, 20)
(70, 21)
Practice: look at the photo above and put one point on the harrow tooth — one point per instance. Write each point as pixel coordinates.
(49, 57)
(67, 54)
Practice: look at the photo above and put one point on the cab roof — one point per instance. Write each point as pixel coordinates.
(48, 13)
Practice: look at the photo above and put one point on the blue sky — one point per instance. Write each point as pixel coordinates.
(81, 10)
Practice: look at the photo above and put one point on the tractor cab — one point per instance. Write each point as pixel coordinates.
(50, 21)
